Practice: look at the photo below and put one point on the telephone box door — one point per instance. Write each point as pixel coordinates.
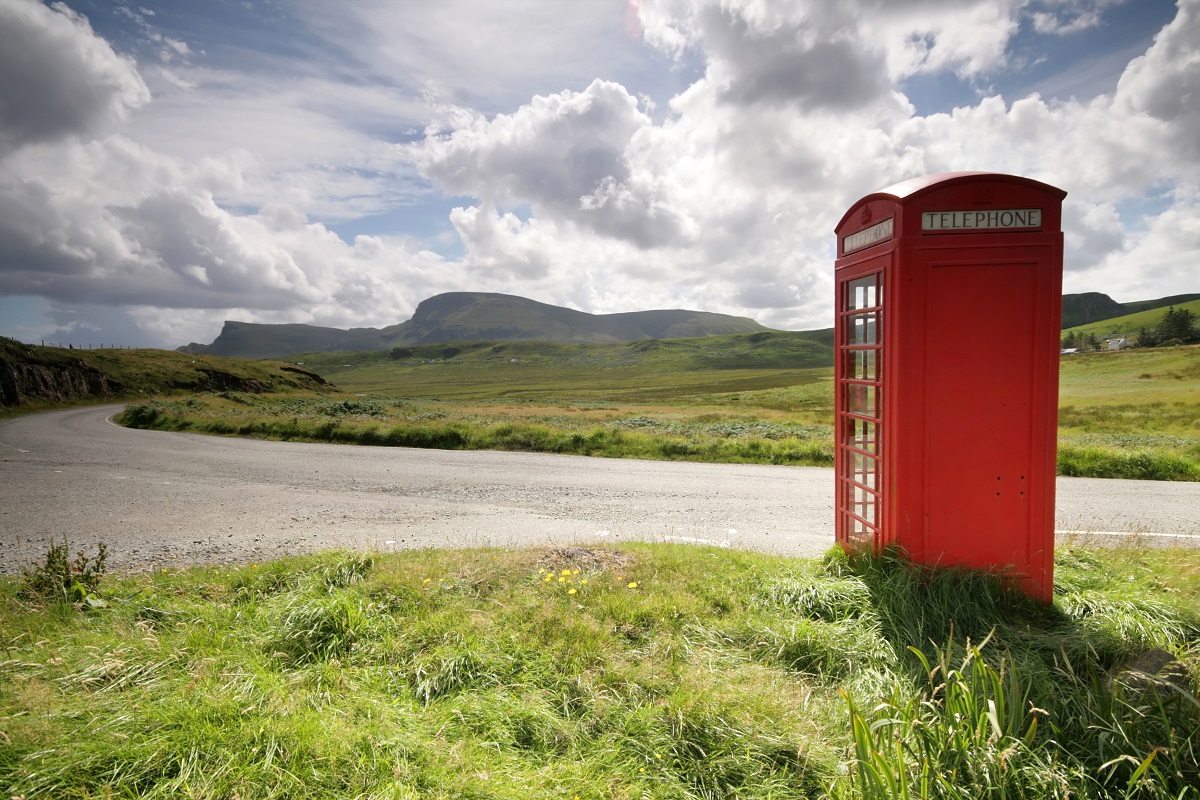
(859, 341)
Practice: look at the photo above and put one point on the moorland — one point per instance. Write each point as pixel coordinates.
(762, 398)
(652, 670)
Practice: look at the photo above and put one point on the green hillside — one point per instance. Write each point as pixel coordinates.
(1130, 324)
(34, 377)
(1162, 302)
(1094, 307)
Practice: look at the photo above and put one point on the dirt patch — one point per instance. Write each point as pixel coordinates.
(585, 558)
(1154, 669)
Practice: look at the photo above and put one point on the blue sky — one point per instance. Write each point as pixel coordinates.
(165, 166)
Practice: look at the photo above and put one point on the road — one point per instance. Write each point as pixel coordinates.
(167, 499)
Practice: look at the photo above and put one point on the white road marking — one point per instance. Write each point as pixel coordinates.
(1129, 534)
(695, 540)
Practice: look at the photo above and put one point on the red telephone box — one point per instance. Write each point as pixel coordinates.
(949, 295)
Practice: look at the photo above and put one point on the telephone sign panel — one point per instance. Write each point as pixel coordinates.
(948, 306)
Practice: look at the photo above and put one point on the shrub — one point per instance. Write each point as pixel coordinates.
(142, 415)
(60, 579)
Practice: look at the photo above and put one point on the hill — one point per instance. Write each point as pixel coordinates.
(1088, 307)
(32, 375)
(473, 316)
(1131, 324)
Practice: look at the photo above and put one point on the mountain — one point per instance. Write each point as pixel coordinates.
(472, 316)
(1089, 307)
(256, 340)
(483, 316)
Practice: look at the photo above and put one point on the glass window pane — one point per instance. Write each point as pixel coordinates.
(865, 469)
(859, 532)
(862, 328)
(861, 399)
(862, 434)
(864, 504)
(862, 365)
(861, 293)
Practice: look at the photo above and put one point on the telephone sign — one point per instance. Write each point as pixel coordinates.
(977, 220)
(948, 305)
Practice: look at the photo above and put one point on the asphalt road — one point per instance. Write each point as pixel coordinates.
(168, 499)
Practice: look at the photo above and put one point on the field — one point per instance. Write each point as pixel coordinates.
(660, 671)
(1130, 411)
(765, 398)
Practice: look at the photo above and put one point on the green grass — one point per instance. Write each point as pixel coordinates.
(1129, 414)
(654, 671)
(586, 430)
(650, 370)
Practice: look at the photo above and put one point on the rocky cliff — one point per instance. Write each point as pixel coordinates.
(27, 375)
(46, 375)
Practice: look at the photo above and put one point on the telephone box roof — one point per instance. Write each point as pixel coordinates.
(915, 187)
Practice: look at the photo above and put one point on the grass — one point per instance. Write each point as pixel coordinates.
(1134, 413)
(1129, 414)
(580, 430)
(653, 671)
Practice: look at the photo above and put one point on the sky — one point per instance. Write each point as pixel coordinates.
(168, 165)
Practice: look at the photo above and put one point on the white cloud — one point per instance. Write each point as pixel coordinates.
(1064, 17)
(219, 199)
(1165, 82)
(571, 155)
(61, 79)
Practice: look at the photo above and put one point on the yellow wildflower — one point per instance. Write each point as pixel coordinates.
(633, 584)
(570, 591)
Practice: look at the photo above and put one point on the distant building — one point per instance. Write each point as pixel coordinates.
(1070, 350)
(1120, 343)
